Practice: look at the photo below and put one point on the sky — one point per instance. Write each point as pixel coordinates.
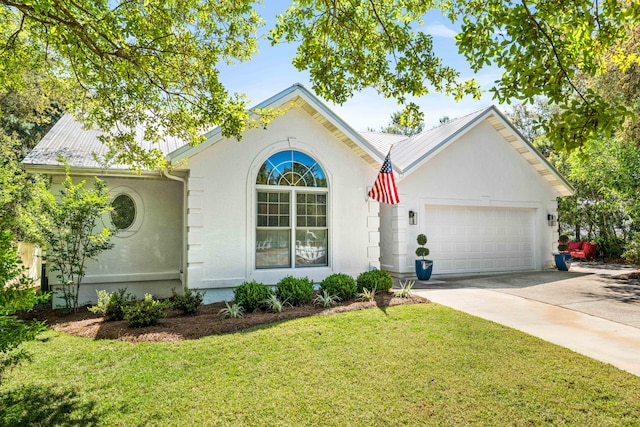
(271, 71)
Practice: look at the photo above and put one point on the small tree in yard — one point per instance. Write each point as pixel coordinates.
(16, 293)
(71, 234)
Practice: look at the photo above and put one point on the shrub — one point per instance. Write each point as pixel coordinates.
(112, 306)
(422, 251)
(16, 293)
(251, 294)
(632, 252)
(340, 285)
(379, 280)
(613, 247)
(146, 312)
(295, 290)
(103, 302)
(562, 243)
(189, 302)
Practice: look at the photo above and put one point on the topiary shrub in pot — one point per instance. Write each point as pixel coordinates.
(563, 258)
(424, 266)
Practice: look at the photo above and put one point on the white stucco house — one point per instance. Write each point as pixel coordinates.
(292, 200)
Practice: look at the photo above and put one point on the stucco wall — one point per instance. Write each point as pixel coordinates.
(148, 256)
(222, 206)
(479, 169)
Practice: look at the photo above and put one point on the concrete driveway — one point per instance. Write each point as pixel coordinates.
(586, 309)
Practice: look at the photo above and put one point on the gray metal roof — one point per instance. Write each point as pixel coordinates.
(382, 141)
(409, 151)
(81, 146)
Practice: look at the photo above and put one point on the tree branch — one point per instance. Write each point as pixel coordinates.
(554, 49)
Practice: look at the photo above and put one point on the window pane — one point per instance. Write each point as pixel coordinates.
(311, 247)
(293, 169)
(124, 212)
(273, 209)
(313, 212)
(272, 248)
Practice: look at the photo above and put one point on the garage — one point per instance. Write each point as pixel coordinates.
(477, 239)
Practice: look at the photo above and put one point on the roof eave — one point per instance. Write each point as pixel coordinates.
(528, 151)
(90, 171)
(313, 106)
(532, 155)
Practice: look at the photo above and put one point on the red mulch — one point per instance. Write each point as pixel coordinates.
(207, 321)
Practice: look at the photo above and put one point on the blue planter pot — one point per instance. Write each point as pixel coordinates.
(424, 269)
(563, 261)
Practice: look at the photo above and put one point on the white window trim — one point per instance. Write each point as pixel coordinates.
(293, 224)
(272, 275)
(140, 212)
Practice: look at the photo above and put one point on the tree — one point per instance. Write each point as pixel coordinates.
(347, 46)
(129, 64)
(401, 126)
(73, 234)
(607, 183)
(621, 83)
(529, 117)
(16, 294)
(26, 114)
(155, 63)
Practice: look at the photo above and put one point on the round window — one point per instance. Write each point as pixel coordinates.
(123, 214)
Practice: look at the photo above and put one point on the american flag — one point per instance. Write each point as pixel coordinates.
(384, 189)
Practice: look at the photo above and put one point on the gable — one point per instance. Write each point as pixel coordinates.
(413, 153)
(477, 166)
(296, 97)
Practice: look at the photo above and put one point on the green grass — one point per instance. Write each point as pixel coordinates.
(404, 365)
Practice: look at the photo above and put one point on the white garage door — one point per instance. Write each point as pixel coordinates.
(470, 239)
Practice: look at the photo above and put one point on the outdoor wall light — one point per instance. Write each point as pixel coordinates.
(551, 220)
(413, 218)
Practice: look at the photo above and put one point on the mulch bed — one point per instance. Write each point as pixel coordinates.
(634, 275)
(207, 321)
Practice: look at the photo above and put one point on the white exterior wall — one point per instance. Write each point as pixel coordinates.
(148, 257)
(479, 169)
(222, 206)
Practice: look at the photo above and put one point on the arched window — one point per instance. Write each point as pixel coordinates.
(291, 212)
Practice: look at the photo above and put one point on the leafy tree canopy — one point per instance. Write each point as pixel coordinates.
(401, 126)
(155, 63)
(543, 48)
(133, 63)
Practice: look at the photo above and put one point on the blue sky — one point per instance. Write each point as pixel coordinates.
(270, 71)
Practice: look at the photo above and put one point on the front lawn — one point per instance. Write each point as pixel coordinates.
(406, 365)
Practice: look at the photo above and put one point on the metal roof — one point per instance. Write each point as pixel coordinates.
(82, 148)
